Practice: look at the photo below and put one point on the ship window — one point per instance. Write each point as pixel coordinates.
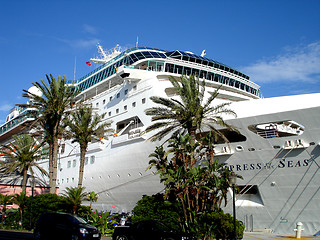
(97, 104)
(109, 113)
(67, 180)
(251, 149)
(125, 108)
(110, 99)
(117, 110)
(239, 148)
(73, 179)
(92, 159)
(118, 95)
(134, 104)
(104, 101)
(143, 100)
(126, 92)
(74, 162)
(69, 164)
(134, 87)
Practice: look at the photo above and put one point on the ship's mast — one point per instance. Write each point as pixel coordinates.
(105, 56)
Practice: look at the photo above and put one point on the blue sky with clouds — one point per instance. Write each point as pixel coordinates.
(275, 42)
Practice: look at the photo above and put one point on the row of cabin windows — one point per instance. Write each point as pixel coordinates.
(173, 68)
(118, 96)
(118, 175)
(86, 161)
(125, 108)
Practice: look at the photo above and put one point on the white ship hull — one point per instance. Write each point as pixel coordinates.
(286, 178)
(280, 169)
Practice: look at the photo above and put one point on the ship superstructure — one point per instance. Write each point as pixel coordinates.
(276, 150)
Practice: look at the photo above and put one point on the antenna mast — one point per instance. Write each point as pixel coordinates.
(106, 56)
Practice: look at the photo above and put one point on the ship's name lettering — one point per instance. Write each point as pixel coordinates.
(283, 163)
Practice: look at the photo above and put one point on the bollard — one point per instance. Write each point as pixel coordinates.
(299, 229)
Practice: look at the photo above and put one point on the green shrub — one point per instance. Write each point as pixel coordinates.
(207, 225)
(156, 208)
(222, 225)
(105, 222)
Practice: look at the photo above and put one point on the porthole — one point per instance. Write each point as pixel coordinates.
(276, 147)
(239, 148)
(251, 149)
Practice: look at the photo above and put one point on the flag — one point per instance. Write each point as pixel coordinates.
(88, 63)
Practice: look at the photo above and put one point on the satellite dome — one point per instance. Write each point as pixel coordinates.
(34, 90)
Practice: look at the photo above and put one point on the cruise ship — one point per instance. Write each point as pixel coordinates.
(276, 150)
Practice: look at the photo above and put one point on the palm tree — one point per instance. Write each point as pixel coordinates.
(22, 155)
(190, 113)
(75, 196)
(50, 107)
(92, 197)
(4, 201)
(21, 200)
(83, 128)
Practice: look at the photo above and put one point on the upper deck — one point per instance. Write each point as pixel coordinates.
(176, 62)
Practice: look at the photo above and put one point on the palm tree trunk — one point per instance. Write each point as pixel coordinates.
(54, 165)
(24, 180)
(81, 168)
(53, 161)
(50, 164)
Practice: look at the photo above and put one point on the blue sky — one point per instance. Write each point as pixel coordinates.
(275, 42)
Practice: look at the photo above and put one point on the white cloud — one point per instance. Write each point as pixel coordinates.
(85, 43)
(80, 43)
(89, 29)
(297, 64)
(5, 107)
